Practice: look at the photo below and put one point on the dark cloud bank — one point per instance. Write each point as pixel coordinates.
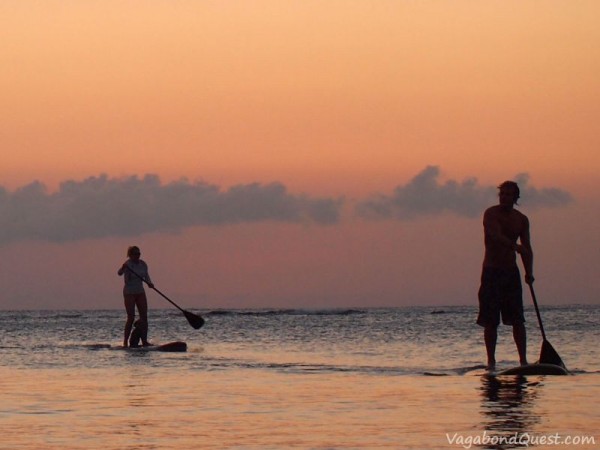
(101, 207)
(424, 195)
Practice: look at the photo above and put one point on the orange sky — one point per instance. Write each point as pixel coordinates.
(232, 91)
(336, 98)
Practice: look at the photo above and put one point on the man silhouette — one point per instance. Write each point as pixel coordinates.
(500, 293)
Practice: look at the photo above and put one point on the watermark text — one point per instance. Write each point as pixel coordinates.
(518, 439)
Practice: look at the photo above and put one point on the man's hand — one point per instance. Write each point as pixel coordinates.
(529, 279)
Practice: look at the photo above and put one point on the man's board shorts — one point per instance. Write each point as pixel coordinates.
(500, 294)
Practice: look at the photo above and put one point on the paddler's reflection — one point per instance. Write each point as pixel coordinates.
(508, 405)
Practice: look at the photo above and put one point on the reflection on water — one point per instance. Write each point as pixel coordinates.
(280, 379)
(508, 409)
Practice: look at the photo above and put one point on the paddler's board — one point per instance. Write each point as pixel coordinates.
(534, 369)
(177, 346)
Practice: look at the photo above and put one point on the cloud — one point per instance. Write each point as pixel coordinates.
(541, 198)
(100, 207)
(424, 195)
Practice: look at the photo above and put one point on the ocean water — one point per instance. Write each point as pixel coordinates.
(352, 378)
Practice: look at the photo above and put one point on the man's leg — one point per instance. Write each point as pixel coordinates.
(490, 336)
(520, 337)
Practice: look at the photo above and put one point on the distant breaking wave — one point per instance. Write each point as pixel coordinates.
(285, 312)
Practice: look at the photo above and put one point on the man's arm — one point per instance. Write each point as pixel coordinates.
(526, 252)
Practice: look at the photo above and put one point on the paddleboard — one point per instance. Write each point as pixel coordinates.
(535, 369)
(177, 346)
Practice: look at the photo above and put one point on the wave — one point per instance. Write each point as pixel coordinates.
(67, 316)
(295, 367)
(285, 312)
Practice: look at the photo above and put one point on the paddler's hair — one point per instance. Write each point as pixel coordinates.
(515, 187)
(133, 249)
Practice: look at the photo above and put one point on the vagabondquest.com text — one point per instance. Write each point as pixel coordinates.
(518, 439)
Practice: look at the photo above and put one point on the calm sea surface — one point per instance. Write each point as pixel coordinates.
(355, 378)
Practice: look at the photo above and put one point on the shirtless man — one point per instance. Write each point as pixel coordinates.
(500, 293)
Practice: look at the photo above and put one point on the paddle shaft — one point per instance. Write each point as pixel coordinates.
(547, 355)
(193, 319)
(168, 299)
(537, 310)
(152, 287)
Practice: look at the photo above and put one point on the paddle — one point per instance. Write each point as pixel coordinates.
(547, 355)
(195, 321)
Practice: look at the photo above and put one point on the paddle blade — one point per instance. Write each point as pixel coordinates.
(549, 356)
(195, 321)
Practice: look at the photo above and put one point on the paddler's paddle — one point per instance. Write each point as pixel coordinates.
(195, 321)
(547, 355)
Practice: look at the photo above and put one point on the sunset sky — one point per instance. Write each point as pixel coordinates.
(301, 153)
